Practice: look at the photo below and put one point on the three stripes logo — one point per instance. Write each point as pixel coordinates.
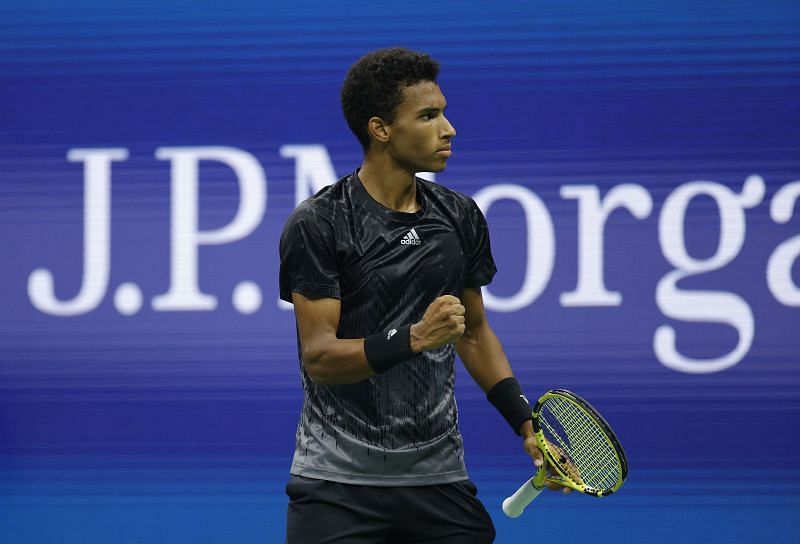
(411, 239)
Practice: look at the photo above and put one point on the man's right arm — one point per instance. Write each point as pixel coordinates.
(328, 359)
(331, 360)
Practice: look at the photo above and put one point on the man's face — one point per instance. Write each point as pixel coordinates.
(420, 133)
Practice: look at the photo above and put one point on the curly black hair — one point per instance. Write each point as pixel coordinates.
(374, 86)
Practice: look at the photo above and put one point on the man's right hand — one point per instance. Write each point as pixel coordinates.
(442, 323)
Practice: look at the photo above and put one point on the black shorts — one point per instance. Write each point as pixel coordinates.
(324, 512)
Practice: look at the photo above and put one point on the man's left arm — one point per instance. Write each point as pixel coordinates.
(478, 347)
(483, 356)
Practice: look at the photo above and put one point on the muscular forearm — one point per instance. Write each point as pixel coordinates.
(337, 361)
(483, 356)
(484, 359)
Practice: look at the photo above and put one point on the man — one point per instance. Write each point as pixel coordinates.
(384, 270)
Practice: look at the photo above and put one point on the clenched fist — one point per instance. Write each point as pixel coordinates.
(442, 323)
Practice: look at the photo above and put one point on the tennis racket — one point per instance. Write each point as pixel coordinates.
(579, 447)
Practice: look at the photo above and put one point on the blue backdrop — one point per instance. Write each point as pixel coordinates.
(638, 164)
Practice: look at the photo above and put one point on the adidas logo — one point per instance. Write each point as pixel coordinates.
(411, 239)
(391, 333)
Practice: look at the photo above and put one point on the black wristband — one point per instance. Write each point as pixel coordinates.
(386, 349)
(507, 397)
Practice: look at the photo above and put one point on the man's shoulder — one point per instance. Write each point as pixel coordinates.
(328, 195)
(324, 203)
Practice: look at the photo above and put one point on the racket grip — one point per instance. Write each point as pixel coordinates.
(516, 503)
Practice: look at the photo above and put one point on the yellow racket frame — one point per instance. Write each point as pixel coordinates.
(562, 476)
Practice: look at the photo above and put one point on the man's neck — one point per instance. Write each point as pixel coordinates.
(389, 184)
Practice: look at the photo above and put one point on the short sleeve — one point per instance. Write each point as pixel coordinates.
(480, 263)
(308, 256)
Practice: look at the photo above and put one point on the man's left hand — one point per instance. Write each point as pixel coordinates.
(532, 449)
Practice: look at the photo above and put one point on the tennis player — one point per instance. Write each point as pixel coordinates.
(384, 270)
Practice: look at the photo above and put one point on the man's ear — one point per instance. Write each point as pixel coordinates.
(378, 129)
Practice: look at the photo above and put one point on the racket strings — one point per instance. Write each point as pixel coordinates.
(587, 455)
(586, 445)
(585, 465)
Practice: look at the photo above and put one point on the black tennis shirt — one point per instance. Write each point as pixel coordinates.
(386, 267)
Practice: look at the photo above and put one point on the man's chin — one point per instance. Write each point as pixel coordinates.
(435, 168)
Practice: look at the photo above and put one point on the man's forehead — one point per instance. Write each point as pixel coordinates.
(424, 94)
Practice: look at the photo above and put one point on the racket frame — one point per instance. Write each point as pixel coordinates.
(563, 477)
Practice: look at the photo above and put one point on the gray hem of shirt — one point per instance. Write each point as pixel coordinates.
(378, 479)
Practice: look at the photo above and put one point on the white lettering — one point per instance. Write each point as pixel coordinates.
(96, 239)
(540, 248)
(184, 292)
(592, 216)
(703, 306)
(779, 265)
(314, 170)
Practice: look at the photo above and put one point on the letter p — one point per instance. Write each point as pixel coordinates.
(185, 237)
